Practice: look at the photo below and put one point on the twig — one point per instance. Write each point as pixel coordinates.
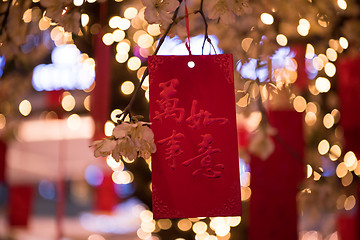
(206, 36)
(127, 109)
(6, 15)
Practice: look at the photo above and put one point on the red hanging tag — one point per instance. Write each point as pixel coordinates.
(195, 170)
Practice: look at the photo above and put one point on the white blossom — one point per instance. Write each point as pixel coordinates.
(125, 147)
(103, 147)
(158, 11)
(121, 130)
(128, 140)
(59, 11)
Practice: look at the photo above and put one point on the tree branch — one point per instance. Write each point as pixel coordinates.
(127, 109)
(6, 16)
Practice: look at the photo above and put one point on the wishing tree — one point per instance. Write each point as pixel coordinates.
(298, 56)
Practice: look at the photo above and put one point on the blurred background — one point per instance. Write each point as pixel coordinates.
(68, 68)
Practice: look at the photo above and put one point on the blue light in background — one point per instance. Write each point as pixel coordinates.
(124, 190)
(2, 65)
(68, 71)
(47, 189)
(329, 167)
(174, 46)
(94, 175)
(250, 70)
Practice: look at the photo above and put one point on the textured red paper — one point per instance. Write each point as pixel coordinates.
(195, 170)
(274, 181)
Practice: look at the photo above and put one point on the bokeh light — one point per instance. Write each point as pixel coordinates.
(267, 18)
(25, 107)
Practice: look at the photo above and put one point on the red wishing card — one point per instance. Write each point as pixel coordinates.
(195, 170)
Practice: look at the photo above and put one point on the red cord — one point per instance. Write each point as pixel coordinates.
(187, 42)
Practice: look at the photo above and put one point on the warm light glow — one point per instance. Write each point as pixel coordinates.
(245, 43)
(96, 237)
(350, 160)
(317, 176)
(328, 120)
(341, 170)
(154, 29)
(344, 43)
(87, 103)
(310, 118)
(140, 72)
(184, 225)
(347, 180)
(281, 39)
(2, 121)
(334, 44)
(108, 128)
(44, 23)
(123, 47)
(164, 224)
(267, 18)
(322, 84)
(335, 152)
(309, 171)
(349, 203)
(78, 2)
(199, 227)
(124, 24)
(25, 107)
(121, 57)
(126, 159)
(108, 39)
(299, 104)
(323, 147)
(134, 63)
(330, 69)
(223, 230)
(68, 102)
(130, 13)
(118, 35)
(233, 221)
(323, 58)
(146, 216)
(245, 179)
(127, 87)
(142, 234)
(303, 30)
(114, 22)
(148, 227)
(318, 63)
(147, 95)
(27, 16)
(202, 236)
(116, 166)
(342, 4)
(122, 177)
(305, 23)
(114, 113)
(84, 19)
(74, 122)
(357, 169)
(311, 107)
(245, 193)
(310, 51)
(331, 54)
(145, 41)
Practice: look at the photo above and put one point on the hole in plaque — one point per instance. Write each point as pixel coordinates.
(191, 64)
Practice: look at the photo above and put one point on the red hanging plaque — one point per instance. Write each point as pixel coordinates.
(195, 170)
